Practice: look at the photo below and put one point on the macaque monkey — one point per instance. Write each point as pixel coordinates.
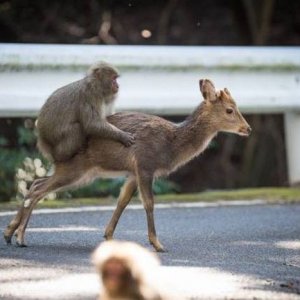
(126, 271)
(77, 111)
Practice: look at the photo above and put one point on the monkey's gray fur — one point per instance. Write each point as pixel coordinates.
(78, 110)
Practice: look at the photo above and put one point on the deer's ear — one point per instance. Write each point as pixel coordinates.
(208, 90)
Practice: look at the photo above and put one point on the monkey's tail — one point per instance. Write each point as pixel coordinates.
(45, 149)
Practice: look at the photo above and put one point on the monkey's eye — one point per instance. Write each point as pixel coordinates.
(229, 111)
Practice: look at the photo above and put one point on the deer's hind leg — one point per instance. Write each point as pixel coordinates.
(37, 183)
(125, 196)
(65, 176)
(54, 183)
(13, 225)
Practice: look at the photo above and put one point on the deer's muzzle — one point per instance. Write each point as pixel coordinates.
(245, 130)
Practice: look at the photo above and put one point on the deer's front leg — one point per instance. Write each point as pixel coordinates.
(125, 196)
(145, 188)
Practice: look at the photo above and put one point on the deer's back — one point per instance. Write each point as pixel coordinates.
(153, 143)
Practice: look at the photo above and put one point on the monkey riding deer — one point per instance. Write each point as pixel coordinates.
(77, 111)
(160, 148)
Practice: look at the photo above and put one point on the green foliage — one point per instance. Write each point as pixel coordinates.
(164, 186)
(3, 141)
(26, 137)
(9, 160)
(99, 188)
(12, 157)
(106, 187)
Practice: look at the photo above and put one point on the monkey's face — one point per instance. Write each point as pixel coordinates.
(114, 84)
(116, 276)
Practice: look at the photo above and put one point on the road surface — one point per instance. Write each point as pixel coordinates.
(214, 252)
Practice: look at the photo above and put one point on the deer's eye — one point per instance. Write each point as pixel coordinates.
(229, 110)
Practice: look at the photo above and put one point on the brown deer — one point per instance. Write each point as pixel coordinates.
(160, 148)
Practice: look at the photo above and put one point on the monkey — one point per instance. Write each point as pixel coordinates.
(126, 270)
(77, 111)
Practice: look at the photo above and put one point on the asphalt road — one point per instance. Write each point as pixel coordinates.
(213, 252)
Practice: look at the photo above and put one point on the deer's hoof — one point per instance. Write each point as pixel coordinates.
(20, 244)
(158, 246)
(161, 250)
(108, 237)
(7, 239)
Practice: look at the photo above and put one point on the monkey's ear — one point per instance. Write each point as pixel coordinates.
(208, 90)
(94, 70)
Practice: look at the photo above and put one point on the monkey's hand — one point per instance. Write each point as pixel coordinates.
(127, 139)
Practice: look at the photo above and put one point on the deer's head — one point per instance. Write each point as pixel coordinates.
(222, 110)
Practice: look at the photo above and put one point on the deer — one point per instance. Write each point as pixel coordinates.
(160, 148)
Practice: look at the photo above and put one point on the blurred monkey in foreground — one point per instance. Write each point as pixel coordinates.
(127, 271)
(78, 110)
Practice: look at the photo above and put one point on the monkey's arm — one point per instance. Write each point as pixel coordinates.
(94, 124)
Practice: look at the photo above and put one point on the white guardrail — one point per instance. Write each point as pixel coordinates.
(161, 79)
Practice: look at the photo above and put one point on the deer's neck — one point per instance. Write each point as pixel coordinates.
(193, 136)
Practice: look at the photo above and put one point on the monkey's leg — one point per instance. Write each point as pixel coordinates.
(125, 196)
(66, 177)
(71, 142)
(145, 188)
(13, 225)
(107, 130)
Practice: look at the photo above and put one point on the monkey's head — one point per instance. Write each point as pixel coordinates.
(125, 269)
(117, 277)
(105, 75)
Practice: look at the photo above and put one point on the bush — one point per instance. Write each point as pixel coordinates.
(31, 170)
(105, 187)
(9, 160)
(17, 142)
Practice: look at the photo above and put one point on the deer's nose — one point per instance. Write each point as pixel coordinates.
(249, 129)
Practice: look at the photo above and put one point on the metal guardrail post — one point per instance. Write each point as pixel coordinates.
(292, 134)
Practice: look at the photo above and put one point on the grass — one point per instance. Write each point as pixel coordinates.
(61, 203)
(271, 195)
